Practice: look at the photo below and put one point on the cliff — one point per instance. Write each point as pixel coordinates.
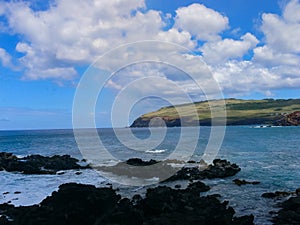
(281, 112)
(292, 119)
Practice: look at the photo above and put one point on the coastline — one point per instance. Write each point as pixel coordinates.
(190, 198)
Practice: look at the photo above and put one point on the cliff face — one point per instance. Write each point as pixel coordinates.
(292, 119)
(145, 122)
(279, 112)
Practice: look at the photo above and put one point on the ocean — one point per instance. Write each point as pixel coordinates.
(268, 154)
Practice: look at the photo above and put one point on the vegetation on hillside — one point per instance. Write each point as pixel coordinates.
(239, 112)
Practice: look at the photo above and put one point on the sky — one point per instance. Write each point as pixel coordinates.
(47, 47)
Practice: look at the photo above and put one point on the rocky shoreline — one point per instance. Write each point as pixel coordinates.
(77, 204)
(162, 204)
(136, 167)
(37, 164)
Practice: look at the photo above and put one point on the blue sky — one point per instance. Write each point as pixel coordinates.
(251, 48)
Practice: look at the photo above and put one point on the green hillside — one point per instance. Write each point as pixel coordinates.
(239, 112)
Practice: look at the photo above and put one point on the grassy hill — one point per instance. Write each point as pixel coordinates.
(239, 112)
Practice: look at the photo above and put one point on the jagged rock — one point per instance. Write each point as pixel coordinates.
(290, 212)
(148, 169)
(37, 164)
(198, 187)
(140, 162)
(136, 167)
(219, 169)
(292, 119)
(78, 204)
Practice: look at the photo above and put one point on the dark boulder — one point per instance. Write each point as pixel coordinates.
(37, 164)
(268, 195)
(140, 162)
(78, 204)
(136, 167)
(219, 169)
(166, 206)
(198, 187)
(290, 212)
(73, 204)
(243, 182)
(277, 194)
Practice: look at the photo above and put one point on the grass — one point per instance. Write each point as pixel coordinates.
(236, 109)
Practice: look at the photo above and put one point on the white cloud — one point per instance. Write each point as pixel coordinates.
(244, 77)
(291, 12)
(221, 51)
(282, 33)
(65, 73)
(68, 33)
(180, 37)
(56, 40)
(5, 58)
(200, 21)
(269, 57)
(281, 53)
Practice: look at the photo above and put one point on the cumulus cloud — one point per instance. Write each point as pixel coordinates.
(282, 33)
(57, 39)
(280, 55)
(173, 35)
(246, 77)
(291, 11)
(202, 22)
(270, 57)
(282, 48)
(63, 35)
(68, 33)
(275, 63)
(5, 58)
(221, 51)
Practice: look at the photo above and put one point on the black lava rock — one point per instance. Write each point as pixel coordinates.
(78, 204)
(219, 169)
(243, 182)
(37, 164)
(290, 212)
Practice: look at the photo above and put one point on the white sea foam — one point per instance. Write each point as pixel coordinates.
(156, 151)
(19, 189)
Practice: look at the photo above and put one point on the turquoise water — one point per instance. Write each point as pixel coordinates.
(269, 155)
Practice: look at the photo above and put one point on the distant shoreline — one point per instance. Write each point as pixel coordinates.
(280, 112)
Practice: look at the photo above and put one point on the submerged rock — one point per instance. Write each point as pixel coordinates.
(277, 194)
(37, 164)
(78, 204)
(243, 182)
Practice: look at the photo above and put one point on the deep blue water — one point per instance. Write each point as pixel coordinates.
(269, 155)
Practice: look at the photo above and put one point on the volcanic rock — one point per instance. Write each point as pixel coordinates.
(37, 164)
